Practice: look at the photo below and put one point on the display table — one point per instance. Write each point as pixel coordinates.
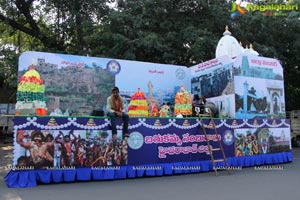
(156, 147)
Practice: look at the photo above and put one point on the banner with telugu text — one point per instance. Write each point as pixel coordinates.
(50, 143)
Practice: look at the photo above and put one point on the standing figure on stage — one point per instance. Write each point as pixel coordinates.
(116, 109)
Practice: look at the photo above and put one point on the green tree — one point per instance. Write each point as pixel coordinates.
(175, 32)
(58, 25)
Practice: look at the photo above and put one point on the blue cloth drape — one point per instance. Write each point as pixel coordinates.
(31, 178)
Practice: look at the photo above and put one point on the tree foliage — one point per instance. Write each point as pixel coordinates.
(174, 32)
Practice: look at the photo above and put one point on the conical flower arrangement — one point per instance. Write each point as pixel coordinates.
(31, 89)
(183, 102)
(138, 106)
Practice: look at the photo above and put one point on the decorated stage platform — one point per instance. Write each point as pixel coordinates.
(69, 149)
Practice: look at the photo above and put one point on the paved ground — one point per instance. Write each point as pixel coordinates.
(246, 184)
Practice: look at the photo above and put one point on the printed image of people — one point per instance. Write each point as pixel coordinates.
(250, 142)
(69, 148)
(105, 152)
(246, 143)
(36, 149)
(273, 140)
(264, 140)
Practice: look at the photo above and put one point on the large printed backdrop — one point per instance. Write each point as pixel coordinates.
(245, 88)
(81, 84)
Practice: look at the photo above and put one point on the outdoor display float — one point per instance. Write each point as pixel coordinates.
(247, 90)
